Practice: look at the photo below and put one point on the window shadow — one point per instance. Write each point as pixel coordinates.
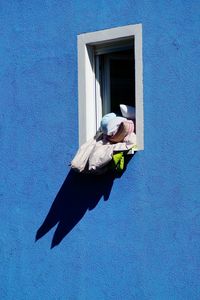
(79, 193)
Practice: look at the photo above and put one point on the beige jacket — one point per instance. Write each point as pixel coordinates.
(96, 153)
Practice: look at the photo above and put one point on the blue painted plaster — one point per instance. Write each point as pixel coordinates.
(143, 242)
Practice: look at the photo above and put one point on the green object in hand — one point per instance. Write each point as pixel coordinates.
(118, 159)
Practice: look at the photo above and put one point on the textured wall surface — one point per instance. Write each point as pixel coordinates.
(144, 241)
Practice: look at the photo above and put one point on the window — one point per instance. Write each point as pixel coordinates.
(109, 74)
(115, 77)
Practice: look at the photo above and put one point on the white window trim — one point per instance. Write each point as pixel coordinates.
(86, 78)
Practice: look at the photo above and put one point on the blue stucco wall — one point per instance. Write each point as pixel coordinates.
(143, 242)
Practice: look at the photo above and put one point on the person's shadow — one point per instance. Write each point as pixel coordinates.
(79, 193)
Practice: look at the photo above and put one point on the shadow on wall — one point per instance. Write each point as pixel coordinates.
(78, 194)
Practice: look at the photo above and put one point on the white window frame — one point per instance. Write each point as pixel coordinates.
(88, 103)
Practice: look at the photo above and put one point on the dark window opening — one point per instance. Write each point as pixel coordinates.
(116, 76)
